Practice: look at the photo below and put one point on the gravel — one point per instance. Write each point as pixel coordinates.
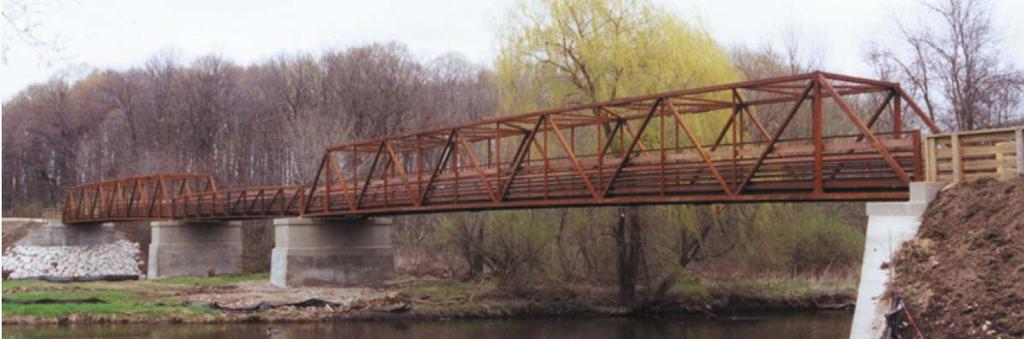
(118, 258)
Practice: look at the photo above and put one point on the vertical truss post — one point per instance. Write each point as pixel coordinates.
(917, 110)
(817, 135)
(328, 173)
(454, 165)
(897, 118)
(497, 153)
(736, 136)
(661, 153)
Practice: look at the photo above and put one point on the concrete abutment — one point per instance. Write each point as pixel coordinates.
(890, 224)
(312, 252)
(194, 249)
(56, 233)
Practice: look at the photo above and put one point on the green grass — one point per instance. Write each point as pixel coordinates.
(115, 302)
(108, 296)
(771, 289)
(443, 290)
(12, 284)
(213, 281)
(784, 289)
(691, 288)
(61, 310)
(120, 298)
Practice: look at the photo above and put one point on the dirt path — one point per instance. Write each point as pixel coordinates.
(254, 292)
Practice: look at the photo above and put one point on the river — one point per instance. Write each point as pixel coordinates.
(789, 325)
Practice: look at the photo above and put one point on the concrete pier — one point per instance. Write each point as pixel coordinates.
(56, 233)
(194, 249)
(890, 224)
(312, 252)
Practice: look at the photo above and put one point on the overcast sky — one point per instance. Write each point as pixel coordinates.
(121, 34)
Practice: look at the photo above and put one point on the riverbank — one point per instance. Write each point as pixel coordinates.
(961, 276)
(249, 298)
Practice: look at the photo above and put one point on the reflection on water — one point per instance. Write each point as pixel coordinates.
(798, 325)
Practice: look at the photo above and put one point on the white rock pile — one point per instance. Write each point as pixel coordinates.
(118, 258)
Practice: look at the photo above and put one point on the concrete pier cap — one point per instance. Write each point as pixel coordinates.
(890, 224)
(194, 249)
(343, 252)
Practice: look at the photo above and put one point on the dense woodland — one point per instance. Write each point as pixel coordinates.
(268, 123)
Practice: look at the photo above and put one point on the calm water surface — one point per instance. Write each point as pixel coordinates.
(795, 325)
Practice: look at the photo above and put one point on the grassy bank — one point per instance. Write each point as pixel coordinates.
(146, 298)
(189, 300)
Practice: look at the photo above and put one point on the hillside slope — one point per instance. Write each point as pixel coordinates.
(963, 276)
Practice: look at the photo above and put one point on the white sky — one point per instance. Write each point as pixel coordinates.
(121, 34)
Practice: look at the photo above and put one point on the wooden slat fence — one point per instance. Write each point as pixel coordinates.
(968, 155)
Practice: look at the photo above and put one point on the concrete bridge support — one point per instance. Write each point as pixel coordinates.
(889, 225)
(56, 233)
(311, 252)
(194, 249)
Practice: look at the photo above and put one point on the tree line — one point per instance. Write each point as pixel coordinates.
(262, 124)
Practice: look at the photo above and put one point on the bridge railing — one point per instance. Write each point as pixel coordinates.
(239, 203)
(967, 155)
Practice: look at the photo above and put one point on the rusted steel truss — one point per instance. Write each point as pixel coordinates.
(177, 196)
(808, 137)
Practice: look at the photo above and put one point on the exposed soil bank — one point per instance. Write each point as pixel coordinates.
(186, 300)
(962, 276)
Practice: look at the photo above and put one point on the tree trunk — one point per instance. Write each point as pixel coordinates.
(476, 259)
(628, 241)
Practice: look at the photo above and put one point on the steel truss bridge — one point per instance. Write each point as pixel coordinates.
(754, 141)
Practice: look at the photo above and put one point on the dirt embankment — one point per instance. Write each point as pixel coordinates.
(963, 277)
(13, 229)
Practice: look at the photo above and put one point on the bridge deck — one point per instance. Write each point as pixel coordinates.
(755, 141)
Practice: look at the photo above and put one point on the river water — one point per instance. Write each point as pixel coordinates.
(790, 325)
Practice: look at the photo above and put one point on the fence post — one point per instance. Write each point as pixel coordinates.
(957, 169)
(918, 166)
(931, 171)
(1020, 150)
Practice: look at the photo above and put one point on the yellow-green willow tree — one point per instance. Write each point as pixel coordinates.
(556, 53)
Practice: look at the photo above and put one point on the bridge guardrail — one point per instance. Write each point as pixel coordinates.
(968, 155)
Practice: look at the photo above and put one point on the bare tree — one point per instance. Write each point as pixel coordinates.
(21, 24)
(953, 64)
